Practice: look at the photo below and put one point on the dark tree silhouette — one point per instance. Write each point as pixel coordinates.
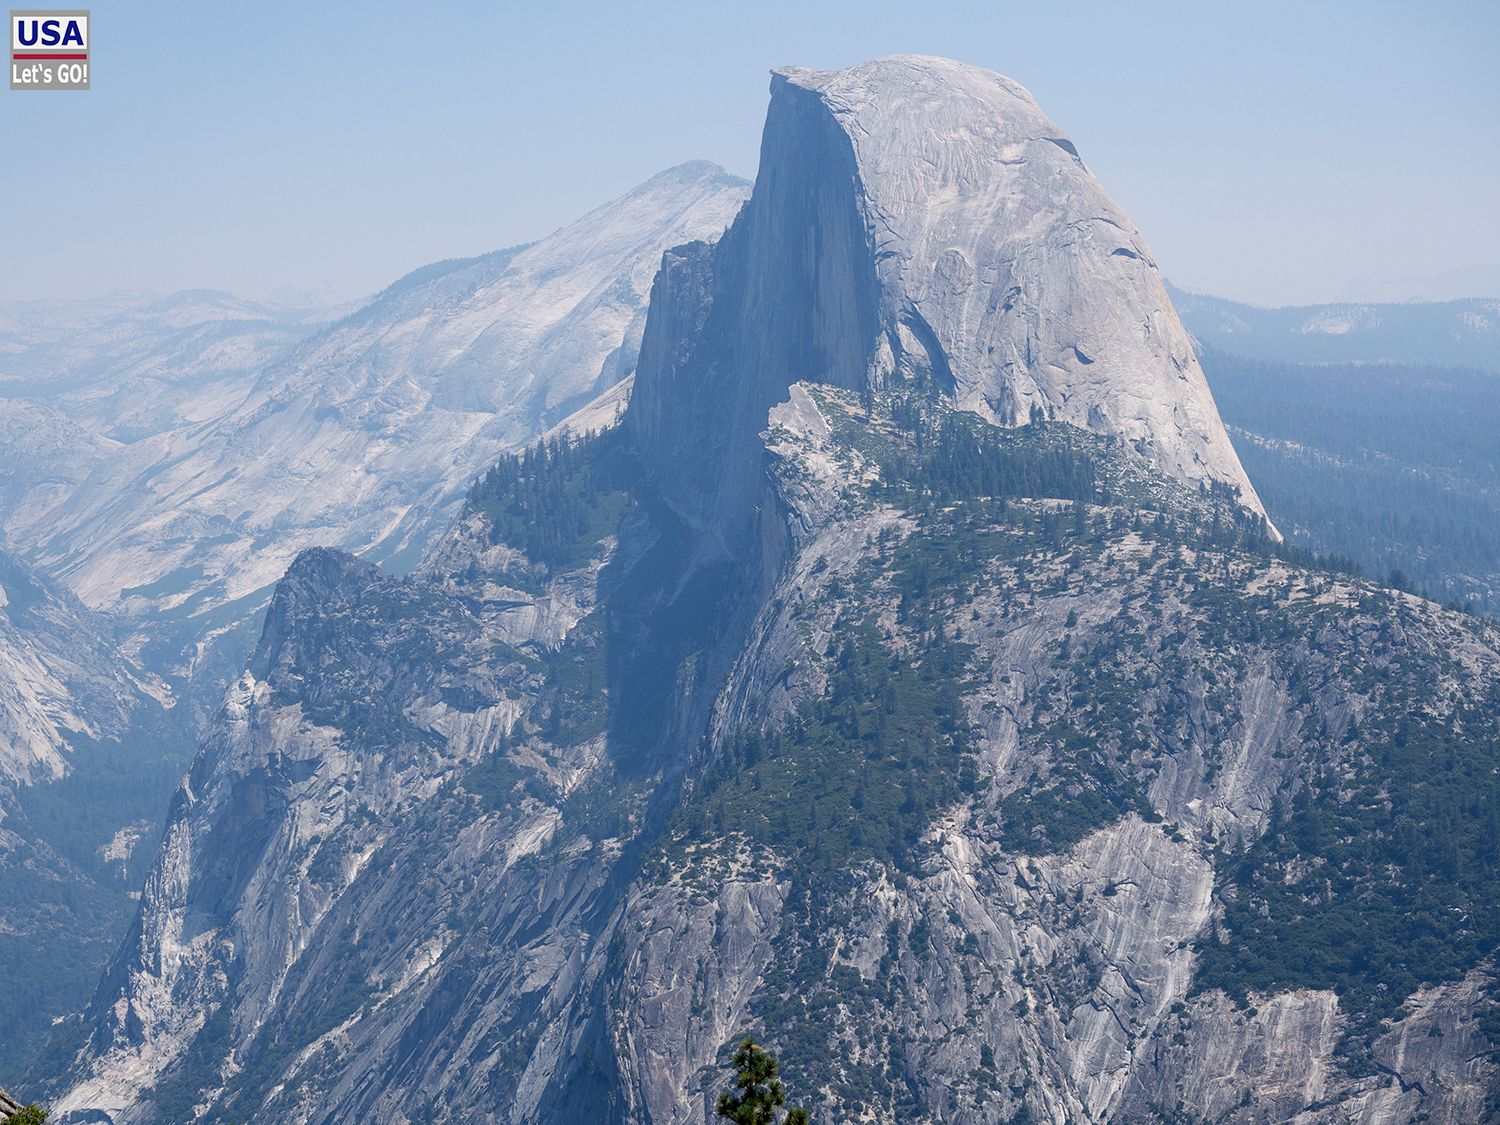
(757, 1092)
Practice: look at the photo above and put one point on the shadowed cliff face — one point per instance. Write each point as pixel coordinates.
(788, 293)
(914, 217)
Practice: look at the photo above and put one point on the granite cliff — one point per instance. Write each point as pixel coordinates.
(910, 677)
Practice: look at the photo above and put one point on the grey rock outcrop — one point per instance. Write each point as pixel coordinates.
(8, 1104)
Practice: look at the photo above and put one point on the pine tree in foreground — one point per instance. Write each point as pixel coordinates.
(757, 1092)
(32, 1114)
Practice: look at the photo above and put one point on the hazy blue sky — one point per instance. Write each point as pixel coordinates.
(1269, 151)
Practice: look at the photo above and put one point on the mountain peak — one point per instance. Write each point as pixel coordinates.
(695, 171)
(1036, 288)
(917, 217)
(931, 75)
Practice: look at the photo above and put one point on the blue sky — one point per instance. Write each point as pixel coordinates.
(1269, 151)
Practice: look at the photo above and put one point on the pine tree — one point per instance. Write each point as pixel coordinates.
(32, 1114)
(757, 1092)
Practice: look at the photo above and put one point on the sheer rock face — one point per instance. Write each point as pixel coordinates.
(916, 215)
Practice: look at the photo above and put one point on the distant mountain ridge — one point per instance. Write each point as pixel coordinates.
(1455, 284)
(363, 433)
(1460, 333)
(130, 365)
(1395, 466)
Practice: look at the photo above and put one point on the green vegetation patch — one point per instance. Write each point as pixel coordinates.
(556, 500)
(954, 454)
(577, 676)
(861, 772)
(1378, 884)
